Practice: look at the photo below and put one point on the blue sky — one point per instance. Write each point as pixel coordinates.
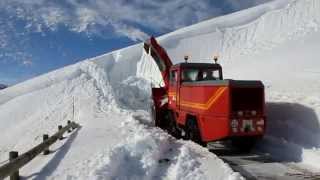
(37, 36)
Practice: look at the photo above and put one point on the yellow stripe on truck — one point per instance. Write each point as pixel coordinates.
(208, 104)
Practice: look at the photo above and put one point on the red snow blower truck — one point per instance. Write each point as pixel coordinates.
(196, 103)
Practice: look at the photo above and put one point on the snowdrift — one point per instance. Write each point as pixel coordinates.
(277, 42)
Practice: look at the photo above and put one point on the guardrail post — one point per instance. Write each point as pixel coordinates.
(59, 128)
(73, 127)
(70, 129)
(13, 155)
(46, 151)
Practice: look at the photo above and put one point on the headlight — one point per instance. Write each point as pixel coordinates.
(234, 130)
(234, 123)
(240, 113)
(260, 122)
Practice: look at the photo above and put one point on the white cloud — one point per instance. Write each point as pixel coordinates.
(134, 33)
(125, 17)
(12, 42)
(27, 62)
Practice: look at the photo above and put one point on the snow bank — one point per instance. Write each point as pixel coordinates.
(276, 42)
(151, 154)
(245, 32)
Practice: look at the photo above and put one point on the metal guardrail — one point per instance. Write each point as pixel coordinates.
(16, 162)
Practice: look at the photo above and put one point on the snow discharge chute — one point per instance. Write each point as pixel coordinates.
(160, 57)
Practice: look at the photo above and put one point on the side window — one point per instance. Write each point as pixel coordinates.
(216, 74)
(211, 74)
(190, 75)
(173, 77)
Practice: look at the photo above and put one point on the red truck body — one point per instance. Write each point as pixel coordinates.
(196, 101)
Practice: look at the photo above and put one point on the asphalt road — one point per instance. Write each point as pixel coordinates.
(261, 166)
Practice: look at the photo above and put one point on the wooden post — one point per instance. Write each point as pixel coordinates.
(46, 151)
(59, 128)
(70, 129)
(73, 109)
(74, 125)
(15, 175)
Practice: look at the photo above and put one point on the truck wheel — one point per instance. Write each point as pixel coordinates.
(193, 132)
(172, 126)
(161, 119)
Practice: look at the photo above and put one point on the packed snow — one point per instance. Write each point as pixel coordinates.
(277, 42)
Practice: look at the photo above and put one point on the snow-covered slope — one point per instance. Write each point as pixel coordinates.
(276, 42)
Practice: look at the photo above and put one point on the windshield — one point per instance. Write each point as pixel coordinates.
(192, 75)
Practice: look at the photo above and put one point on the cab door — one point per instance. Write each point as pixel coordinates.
(173, 94)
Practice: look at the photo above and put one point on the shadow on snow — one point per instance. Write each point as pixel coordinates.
(291, 127)
(52, 165)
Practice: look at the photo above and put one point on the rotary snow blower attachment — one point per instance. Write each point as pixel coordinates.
(196, 103)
